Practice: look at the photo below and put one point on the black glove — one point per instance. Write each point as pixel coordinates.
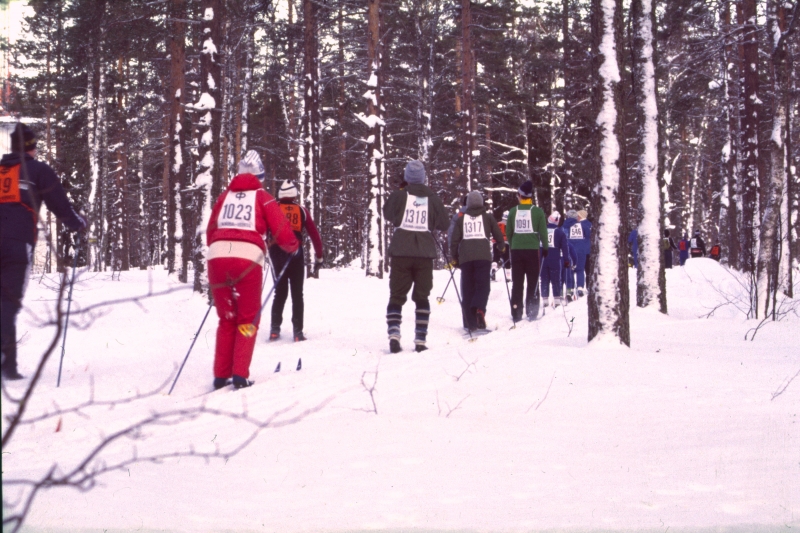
(544, 252)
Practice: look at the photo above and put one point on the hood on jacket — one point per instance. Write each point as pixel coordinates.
(244, 182)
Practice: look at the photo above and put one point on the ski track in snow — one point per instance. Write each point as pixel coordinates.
(525, 429)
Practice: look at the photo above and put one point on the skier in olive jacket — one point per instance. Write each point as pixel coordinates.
(415, 211)
(527, 232)
(471, 250)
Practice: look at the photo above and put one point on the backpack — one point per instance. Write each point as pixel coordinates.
(665, 244)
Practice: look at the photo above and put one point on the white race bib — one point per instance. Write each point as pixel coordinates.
(238, 211)
(550, 233)
(473, 227)
(415, 217)
(522, 222)
(694, 243)
(576, 231)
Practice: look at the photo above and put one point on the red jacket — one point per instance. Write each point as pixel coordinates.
(245, 212)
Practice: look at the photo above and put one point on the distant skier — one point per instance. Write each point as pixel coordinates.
(527, 232)
(668, 245)
(697, 245)
(683, 249)
(633, 246)
(500, 259)
(242, 216)
(555, 260)
(568, 272)
(24, 184)
(471, 250)
(415, 212)
(579, 231)
(715, 252)
(300, 222)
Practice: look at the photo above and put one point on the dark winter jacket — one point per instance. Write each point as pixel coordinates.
(416, 242)
(23, 188)
(698, 246)
(559, 251)
(453, 221)
(527, 241)
(579, 234)
(301, 222)
(464, 249)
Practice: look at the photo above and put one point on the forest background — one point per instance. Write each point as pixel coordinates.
(677, 115)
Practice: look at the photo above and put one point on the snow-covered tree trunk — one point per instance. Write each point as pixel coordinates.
(730, 150)
(310, 125)
(773, 258)
(468, 117)
(177, 172)
(373, 243)
(648, 289)
(750, 120)
(247, 87)
(208, 105)
(608, 279)
(93, 259)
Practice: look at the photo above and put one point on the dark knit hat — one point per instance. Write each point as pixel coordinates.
(526, 189)
(23, 139)
(415, 172)
(474, 199)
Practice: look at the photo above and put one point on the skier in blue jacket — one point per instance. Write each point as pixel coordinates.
(568, 272)
(579, 231)
(555, 260)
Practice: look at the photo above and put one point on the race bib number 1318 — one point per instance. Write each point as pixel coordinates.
(415, 217)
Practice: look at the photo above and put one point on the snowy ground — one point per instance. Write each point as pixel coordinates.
(529, 429)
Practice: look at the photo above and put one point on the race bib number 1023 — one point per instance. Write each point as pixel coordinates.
(238, 211)
(415, 217)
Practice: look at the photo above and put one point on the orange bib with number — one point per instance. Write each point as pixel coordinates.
(294, 216)
(9, 185)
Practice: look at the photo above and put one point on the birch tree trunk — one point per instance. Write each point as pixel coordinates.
(649, 291)
(608, 279)
(177, 176)
(374, 246)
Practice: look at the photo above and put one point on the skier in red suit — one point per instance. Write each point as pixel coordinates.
(241, 218)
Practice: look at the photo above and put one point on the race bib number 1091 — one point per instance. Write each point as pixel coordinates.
(238, 211)
(522, 222)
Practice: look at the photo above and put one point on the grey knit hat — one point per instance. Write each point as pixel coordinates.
(415, 172)
(474, 199)
(572, 214)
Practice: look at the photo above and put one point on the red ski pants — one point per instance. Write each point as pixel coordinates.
(236, 288)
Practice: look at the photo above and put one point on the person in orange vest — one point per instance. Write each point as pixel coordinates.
(715, 252)
(500, 258)
(300, 222)
(25, 184)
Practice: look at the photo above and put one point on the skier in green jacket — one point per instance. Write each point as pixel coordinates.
(527, 233)
(415, 211)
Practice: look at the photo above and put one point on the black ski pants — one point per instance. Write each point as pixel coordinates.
(475, 288)
(525, 266)
(14, 261)
(294, 276)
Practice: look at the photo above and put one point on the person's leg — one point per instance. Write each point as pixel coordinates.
(517, 282)
(423, 284)
(247, 301)
(545, 281)
(400, 282)
(468, 294)
(279, 258)
(580, 271)
(13, 279)
(297, 275)
(532, 291)
(222, 292)
(482, 286)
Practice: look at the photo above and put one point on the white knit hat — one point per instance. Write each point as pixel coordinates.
(251, 164)
(287, 190)
(554, 217)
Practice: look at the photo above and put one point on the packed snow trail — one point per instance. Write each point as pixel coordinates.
(527, 429)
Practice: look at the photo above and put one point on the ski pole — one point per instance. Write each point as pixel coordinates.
(455, 286)
(440, 299)
(190, 347)
(69, 305)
